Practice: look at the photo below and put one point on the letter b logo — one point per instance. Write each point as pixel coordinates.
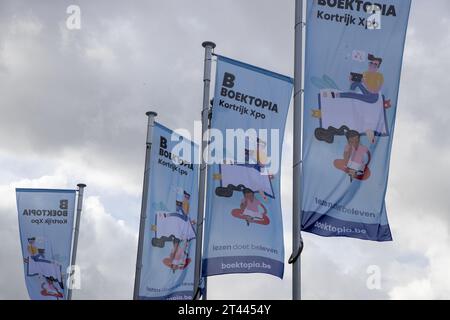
(228, 80)
(64, 204)
(163, 143)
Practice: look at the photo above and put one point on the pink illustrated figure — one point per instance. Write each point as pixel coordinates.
(49, 289)
(179, 256)
(356, 158)
(250, 210)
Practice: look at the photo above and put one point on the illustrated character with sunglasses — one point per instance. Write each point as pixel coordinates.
(369, 83)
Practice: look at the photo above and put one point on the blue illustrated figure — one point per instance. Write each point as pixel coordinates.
(369, 83)
(37, 254)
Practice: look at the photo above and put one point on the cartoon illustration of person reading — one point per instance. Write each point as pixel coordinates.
(49, 289)
(252, 173)
(179, 255)
(369, 84)
(356, 158)
(35, 253)
(31, 248)
(47, 271)
(250, 210)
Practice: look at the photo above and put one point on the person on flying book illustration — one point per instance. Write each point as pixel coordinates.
(50, 289)
(178, 258)
(250, 209)
(356, 158)
(369, 84)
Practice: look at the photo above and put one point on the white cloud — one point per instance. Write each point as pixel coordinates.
(430, 237)
(107, 254)
(416, 290)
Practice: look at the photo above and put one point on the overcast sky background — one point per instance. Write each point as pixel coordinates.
(72, 110)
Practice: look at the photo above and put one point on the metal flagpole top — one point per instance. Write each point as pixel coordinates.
(73, 259)
(151, 114)
(208, 44)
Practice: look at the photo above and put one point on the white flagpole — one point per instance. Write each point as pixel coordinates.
(297, 243)
(209, 46)
(137, 280)
(81, 187)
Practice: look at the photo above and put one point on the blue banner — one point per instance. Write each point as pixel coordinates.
(244, 226)
(168, 256)
(46, 220)
(354, 52)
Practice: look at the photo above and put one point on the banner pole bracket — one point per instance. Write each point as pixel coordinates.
(297, 253)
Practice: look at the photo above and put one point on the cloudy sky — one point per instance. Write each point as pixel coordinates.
(72, 110)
